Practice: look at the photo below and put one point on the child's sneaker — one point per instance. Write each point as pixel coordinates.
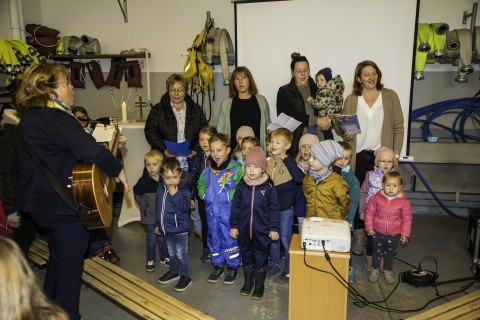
(205, 256)
(373, 277)
(272, 269)
(215, 274)
(150, 266)
(168, 277)
(351, 275)
(389, 277)
(165, 262)
(369, 263)
(183, 284)
(282, 278)
(230, 275)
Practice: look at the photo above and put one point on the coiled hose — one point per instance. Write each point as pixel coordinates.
(465, 109)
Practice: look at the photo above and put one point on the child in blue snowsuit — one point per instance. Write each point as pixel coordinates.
(216, 187)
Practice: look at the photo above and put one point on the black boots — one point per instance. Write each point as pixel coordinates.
(248, 273)
(260, 275)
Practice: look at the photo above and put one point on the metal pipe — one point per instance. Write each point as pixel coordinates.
(14, 20)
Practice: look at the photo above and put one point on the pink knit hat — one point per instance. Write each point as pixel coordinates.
(245, 131)
(308, 138)
(384, 151)
(257, 157)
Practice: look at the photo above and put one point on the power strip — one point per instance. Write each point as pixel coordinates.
(406, 159)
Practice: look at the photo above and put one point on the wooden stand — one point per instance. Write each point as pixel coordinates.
(314, 294)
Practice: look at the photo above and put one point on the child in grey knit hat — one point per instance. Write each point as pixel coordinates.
(325, 191)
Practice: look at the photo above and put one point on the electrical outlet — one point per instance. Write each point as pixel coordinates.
(406, 159)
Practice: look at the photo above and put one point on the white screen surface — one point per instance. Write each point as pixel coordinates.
(337, 34)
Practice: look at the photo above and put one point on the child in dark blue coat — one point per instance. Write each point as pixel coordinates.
(173, 222)
(254, 221)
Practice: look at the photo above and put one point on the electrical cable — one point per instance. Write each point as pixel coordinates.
(434, 195)
(361, 301)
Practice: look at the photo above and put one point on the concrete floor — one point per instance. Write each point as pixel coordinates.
(434, 234)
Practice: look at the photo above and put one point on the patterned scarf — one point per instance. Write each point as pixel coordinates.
(320, 177)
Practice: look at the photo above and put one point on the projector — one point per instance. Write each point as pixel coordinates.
(335, 234)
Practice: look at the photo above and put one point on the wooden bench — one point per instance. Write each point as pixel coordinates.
(463, 308)
(125, 289)
(38, 253)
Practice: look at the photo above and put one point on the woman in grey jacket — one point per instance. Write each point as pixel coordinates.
(243, 107)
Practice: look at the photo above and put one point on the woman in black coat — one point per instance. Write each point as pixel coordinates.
(56, 137)
(175, 118)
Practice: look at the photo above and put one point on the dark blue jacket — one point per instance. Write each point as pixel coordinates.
(255, 210)
(60, 142)
(196, 165)
(173, 212)
(287, 190)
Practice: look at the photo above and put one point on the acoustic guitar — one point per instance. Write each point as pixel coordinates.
(94, 189)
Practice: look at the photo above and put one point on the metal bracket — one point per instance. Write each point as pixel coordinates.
(467, 15)
(124, 9)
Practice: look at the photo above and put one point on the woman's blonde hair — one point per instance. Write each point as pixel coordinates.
(21, 297)
(174, 78)
(38, 86)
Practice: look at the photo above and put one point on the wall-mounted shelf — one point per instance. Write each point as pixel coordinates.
(70, 57)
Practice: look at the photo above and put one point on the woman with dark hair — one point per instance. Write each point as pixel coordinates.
(381, 121)
(175, 118)
(292, 99)
(52, 132)
(243, 107)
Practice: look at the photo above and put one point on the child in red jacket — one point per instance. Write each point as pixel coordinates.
(389, 221)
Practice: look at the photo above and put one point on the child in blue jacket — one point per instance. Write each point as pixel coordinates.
(173, 222)
(255, 221)
(353, 191)
(216, 187)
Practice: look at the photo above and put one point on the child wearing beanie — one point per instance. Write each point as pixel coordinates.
(300, 206)
(328, 99)
(325, 191)
(385, 161)
(254, 221)
(242, 132)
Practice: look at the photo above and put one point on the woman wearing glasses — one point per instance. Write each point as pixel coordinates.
(381, 123)
(175, 118)
(53, 133)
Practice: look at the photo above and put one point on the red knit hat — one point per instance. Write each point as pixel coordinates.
(257, 157)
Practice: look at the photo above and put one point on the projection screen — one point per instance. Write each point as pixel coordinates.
(336, 34)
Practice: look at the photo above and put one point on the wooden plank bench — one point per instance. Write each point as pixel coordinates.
(463, 308)
(127, 290)
(38, 253)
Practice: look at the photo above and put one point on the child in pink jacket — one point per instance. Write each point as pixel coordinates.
(388, 220)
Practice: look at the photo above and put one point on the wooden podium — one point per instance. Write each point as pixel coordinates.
(313, 294)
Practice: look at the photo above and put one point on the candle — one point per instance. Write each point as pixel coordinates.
(124, 111)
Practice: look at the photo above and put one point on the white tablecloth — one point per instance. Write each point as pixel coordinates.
(133, 154)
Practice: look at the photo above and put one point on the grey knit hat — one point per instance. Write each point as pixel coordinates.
(326, 152)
